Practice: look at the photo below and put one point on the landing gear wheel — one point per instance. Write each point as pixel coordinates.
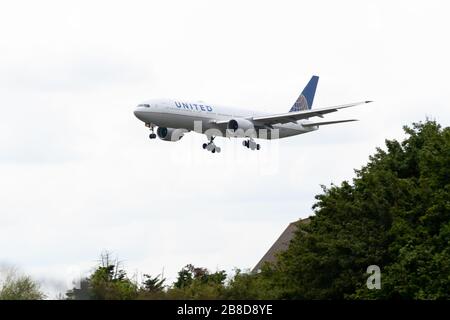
(251, 144)
(210, 146)
(152, 136)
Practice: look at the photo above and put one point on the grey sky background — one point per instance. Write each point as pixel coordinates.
(79, 175)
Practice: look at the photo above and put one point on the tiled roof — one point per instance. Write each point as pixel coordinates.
(281, 244)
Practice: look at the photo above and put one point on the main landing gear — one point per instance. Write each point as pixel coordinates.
(210, 146)
(251, 144)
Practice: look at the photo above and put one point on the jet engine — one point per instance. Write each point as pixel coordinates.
(170, 134)
(241, 127)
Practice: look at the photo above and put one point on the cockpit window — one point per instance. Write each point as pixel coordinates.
(144, 105)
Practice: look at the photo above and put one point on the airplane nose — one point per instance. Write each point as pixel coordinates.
(138, 114)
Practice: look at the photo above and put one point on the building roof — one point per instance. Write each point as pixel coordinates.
(280, 245)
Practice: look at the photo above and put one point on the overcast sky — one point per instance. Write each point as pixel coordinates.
(79, 175)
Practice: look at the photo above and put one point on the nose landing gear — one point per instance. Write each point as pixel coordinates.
(251, 144)
(210, 146)
(152, 128)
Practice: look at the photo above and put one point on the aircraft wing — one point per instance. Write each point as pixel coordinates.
(299, 115)
(313, 124)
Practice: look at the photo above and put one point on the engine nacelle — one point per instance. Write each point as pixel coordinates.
(241, 128)
(170, 134)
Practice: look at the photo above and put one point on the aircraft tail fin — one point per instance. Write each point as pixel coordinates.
(306, 98)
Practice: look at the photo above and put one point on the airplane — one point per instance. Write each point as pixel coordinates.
(174, 118)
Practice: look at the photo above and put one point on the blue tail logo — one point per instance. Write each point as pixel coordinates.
(306, 98)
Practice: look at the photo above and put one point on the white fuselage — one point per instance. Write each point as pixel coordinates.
(187, 115)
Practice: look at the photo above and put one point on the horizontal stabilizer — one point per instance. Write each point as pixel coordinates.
(313, 124)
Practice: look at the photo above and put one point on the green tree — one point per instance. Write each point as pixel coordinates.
(14, 286)
(108, 282)
(395, 214)
(153, 284)
(152, 288)
(246, 285)
(185, 277)
(198, 283)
